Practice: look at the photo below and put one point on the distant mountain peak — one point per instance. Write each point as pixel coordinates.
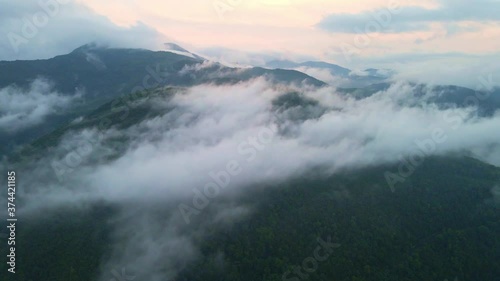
(310, 64)
(89, 47)
(176, 49)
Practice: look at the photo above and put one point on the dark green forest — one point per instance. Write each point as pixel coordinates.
(442, 223)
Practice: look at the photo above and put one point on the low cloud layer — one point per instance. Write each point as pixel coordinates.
(433, 68)
(324, 75)
(23, 108)
(223, 141)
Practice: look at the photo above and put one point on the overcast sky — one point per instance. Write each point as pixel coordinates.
(376, 33)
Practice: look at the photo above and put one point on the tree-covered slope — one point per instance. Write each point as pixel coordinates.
(441, 224)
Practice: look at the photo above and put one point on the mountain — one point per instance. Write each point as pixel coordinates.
(345, 77)
(108, 72)
(104, 197)
(444, 96)
(176, 49)
(443, 223)
(102, 74)
(335, 69)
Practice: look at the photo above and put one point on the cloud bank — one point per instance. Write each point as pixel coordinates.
(23, 108)
(46, 28)
(263, 133)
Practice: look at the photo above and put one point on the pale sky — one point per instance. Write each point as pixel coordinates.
(293, 25)
(352, 33)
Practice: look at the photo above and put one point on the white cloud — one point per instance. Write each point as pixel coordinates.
(36, 31)
(168, 157)
(24, 108)
(325, 75)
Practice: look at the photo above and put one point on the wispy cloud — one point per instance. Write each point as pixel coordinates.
(24, 108)
(414, 18)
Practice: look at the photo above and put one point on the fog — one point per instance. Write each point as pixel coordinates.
(214, 142)
(21, 109)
